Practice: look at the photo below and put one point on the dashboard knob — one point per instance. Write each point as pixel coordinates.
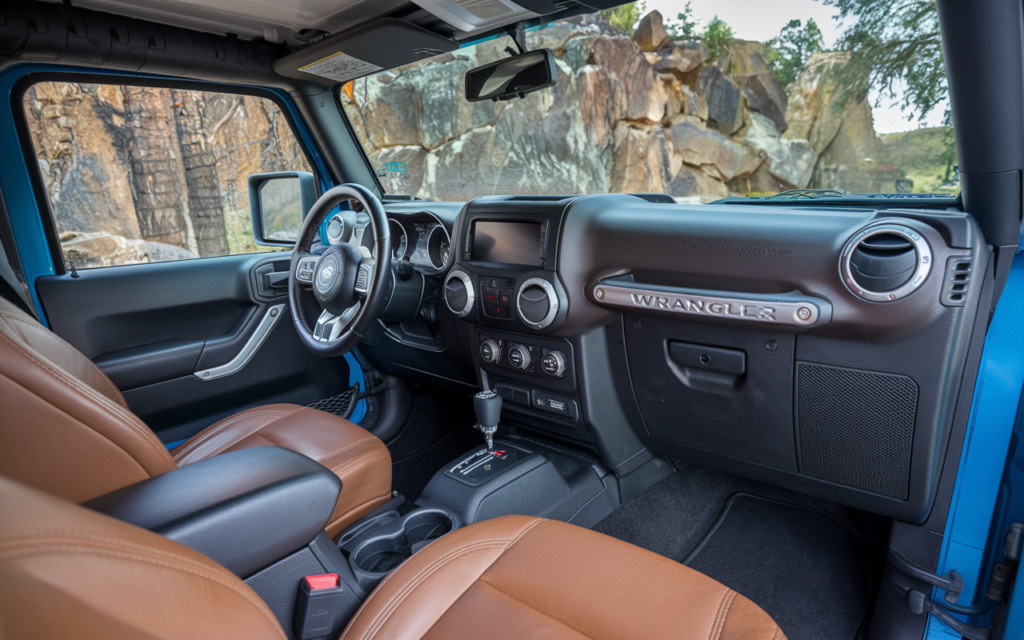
(537, 303)
(553, 363)
(519, 357)
(458, 293)
(489, 350)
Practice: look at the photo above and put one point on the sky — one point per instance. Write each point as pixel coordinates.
(761, 20)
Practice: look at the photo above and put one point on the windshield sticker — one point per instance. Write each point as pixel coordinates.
(341, 67)
(396, 167)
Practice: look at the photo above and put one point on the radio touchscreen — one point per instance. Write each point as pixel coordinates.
(508, 242)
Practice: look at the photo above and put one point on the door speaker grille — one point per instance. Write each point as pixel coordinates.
(856, 428)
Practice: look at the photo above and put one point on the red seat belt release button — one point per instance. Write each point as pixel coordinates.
(319, 602)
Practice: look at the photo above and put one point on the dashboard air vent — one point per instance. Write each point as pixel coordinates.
(885, 262)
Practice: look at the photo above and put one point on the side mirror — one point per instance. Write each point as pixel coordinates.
(279, 203)
(512, 77)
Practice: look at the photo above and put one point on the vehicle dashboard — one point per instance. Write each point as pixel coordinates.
(820, 349)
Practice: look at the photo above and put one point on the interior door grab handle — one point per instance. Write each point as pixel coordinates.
(236, 364)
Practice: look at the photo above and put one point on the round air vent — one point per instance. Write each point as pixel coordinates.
(458, 292)
(537, 303)
(885, 262)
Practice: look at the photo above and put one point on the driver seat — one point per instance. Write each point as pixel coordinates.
(67, 430)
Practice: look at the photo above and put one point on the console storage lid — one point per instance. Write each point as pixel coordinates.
(245, 509)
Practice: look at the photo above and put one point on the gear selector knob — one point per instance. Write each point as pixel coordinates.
(487, 405)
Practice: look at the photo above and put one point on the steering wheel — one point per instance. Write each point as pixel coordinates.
(350, 288)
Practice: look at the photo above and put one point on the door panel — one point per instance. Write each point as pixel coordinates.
(151, 327)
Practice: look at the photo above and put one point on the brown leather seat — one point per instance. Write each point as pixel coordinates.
(66, 429)
(69, 572)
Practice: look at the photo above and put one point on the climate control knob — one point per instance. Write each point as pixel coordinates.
(553, 364)
(519, 357)
(489, 350)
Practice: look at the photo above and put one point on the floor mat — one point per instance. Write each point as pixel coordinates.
(438, 431)
(806, 570)
(773, 531)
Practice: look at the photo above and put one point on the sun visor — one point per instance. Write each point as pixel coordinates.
(382, 44)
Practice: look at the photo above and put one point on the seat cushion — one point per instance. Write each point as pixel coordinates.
(518, 577)
(355, 455)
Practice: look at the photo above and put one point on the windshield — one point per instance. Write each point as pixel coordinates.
(699, 100)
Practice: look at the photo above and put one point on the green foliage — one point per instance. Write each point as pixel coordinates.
(787, 53)
(927, 156)
(893, 47)
(625, 17)
(684, 27)
(718, 36)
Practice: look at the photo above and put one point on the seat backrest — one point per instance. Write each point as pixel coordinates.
(64, 427)
(67, 572)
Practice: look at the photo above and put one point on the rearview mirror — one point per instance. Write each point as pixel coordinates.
(279, 203)
(512, 77)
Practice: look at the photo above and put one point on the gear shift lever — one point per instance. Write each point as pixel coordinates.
(487, 405)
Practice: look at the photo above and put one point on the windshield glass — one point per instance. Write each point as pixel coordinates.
(699, 100)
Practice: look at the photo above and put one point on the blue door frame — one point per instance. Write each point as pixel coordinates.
(23, 209)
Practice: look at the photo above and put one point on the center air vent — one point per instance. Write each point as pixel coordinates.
(885, 262)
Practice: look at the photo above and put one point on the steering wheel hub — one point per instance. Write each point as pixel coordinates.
(334, 280)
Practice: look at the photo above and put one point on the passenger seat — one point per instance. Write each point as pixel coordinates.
(69, 572)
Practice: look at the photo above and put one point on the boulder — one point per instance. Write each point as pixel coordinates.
(632, 76)
(683, 61)
(650, 34)
(395, 180)
(766, 95)
(642, 161)
(811, 111)
(693, 104)
(790, 161)
(717, 155)
(690, 182)
(724, 98)
(99, 249)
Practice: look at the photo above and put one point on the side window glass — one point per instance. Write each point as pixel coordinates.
(149, 174)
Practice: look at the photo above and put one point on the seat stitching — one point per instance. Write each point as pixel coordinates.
(725, 615)
(357, 462)
(38, 550)
(718, 610)
(423, 574)
(9, 539)
(531, 608)
(346, 448)
(426, 572)
(227, 422)
(218, 427)
(114, 409)
(117, 392)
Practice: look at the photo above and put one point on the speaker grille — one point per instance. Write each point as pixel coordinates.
(856, 428)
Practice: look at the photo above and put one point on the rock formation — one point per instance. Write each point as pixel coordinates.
(639, 114)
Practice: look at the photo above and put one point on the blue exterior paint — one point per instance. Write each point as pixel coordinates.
(23, 210)
(974, 519)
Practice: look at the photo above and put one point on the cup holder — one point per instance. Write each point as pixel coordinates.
(381, 551)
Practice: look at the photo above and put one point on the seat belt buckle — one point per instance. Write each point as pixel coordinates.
(316, 610)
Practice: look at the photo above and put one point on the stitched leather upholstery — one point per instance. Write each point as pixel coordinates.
(69, 572)
(356, 456)
(67, 430)
(518, 577)
(66, 572)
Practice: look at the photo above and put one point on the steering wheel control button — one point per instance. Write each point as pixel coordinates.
(489, 351)
(565, 407)
(537, 303)
(519, 357)
(458, 293)
(304, 270)
(553, 364)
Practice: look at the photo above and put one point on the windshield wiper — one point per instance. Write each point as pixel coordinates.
(805, 194)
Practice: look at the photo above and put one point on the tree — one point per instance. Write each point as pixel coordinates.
(788, 52)
(684, 27)
(718, 36)
(625, 17)
(202, 181)
(893, 46)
